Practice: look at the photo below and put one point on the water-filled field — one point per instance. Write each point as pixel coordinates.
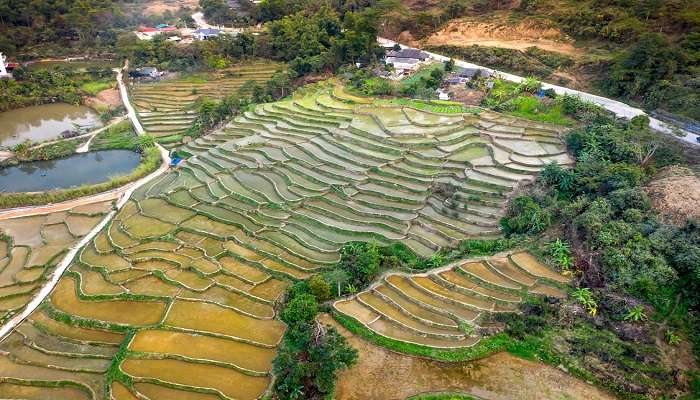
(44, 122)
(72, 171)
(175, 297)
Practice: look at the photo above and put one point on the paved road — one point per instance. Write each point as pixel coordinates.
(130, 111)
(617, 107)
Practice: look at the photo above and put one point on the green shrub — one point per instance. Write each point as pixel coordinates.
(377, 87)
(530, 85)
(361, 261)
(525, 216)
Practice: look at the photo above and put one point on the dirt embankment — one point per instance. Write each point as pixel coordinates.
(527, 33)
(108, 98)
(384, 375)
(675, 194)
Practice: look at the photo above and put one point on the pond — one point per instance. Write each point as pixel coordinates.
(76, 170)
(44, 122)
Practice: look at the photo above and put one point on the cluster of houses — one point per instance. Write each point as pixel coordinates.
(174, 34)
(406, 61)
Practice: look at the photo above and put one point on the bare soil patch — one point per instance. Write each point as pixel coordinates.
(108, 98)
(384, 375)
(675, 193)
(463, 32)
(159, 7)
(469, 97)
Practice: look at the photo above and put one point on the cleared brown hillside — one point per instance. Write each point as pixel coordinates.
(675, 193)
(499, 33)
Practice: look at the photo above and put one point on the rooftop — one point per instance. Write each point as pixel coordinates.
(207, 31)
(396, 60)
(408, 53)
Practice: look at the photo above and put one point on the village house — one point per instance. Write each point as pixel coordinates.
(405, 60)
(408, 53)
(206, 33)
(146, 72)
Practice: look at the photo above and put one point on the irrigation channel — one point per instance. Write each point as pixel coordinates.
(617, 107)
(125, 192)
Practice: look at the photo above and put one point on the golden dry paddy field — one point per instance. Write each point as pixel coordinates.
(175, 298)
(30, 248)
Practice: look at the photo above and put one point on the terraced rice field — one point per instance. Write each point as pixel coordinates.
(313, 173)
(165, 108)
(174, 298)
(431, 309)
(30, 248)
(191, 309)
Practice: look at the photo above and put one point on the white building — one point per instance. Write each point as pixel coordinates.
(206, 33)
(3, 71)
(403, 64)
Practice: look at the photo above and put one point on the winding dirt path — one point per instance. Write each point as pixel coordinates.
(85, 147)
(381, 374)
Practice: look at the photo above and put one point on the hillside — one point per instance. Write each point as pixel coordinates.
(639, 51)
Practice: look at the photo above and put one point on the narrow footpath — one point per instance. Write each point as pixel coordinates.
(85, 147)
(125, 192)
(617, 107)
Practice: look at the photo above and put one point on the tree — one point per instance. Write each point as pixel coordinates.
(311, 354)
(320, 288)
(650, 60)
(308, 363)
(361, 261)
(301, 309)
(217, 11)
(449, 65)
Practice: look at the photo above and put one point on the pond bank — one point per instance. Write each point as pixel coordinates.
(150, 161)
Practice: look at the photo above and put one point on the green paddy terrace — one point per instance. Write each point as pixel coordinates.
(165, 108)
(175, 297)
